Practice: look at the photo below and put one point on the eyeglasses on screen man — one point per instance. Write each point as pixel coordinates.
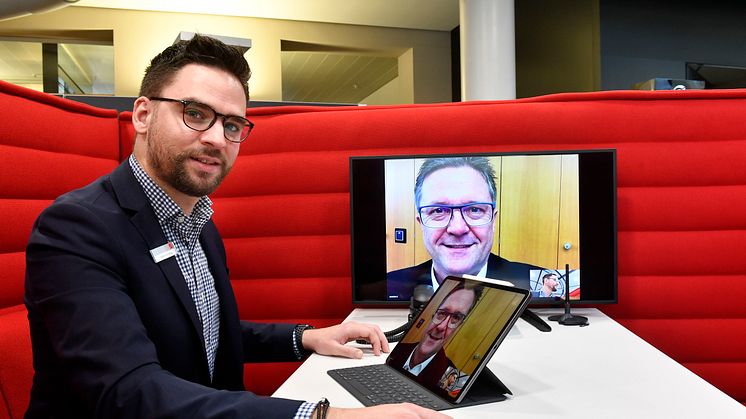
(474, 214)
(455, 319)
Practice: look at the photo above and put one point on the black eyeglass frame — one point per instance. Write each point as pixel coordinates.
(185, 103)
(451, 318)
(460, 208)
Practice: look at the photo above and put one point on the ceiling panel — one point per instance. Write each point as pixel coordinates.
(92, 65)
(334, 77)
(20, 62)
(438, 15)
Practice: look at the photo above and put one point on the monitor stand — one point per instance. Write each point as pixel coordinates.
(534, 320)
(487, 388)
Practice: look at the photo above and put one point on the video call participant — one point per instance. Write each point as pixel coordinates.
(130, 307)
(455, 199)
(427, 360)
(450, 383)
(549, 284)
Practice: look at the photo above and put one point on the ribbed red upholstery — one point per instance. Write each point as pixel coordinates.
(48, 146)
(682, 190)
(681, 178)
(16, 369)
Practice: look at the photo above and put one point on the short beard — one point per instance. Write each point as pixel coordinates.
(174, 172)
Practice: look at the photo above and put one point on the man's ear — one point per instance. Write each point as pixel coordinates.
(142, 112)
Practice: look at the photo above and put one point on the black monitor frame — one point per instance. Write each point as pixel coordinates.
(597, 212)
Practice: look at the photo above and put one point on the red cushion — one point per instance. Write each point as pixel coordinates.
(727, 376)
(48, 146)
(682, 296)
(40, 121)
(11, 278)
(126, 135)
(694, 340)
(265, 378)
(289, 257)
(231, 214)
(681, 196)
(16, 370)
(681, 178)
(293, 298)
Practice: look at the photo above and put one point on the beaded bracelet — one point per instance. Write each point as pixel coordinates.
(322, 408)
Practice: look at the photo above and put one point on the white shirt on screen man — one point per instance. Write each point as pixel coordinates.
(482, 274)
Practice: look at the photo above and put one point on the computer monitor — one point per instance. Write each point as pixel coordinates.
(530, 218)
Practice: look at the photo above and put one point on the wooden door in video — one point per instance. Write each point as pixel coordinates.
(400, 213)
(539, 210)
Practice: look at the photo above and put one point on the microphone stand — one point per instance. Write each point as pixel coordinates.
(567, 318)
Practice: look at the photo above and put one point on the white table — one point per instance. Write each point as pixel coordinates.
(599, 371)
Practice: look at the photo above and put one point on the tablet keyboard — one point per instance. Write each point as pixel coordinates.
(380, 384)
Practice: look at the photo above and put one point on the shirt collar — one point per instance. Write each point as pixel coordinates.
(417, 369)
(482, 274)
(164, 206)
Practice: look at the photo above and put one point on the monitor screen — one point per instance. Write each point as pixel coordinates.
(539, 220)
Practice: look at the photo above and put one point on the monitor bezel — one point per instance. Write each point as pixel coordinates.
(611, 218)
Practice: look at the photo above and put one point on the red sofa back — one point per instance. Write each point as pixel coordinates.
(48, 146)
(681, 198)
(681, 179)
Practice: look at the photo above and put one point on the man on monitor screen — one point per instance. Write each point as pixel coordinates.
(549, 284)
(455, 199)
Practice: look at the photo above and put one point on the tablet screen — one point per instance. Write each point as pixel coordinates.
(456, 334)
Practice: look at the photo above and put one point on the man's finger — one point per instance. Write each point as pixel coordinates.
(349, 352)
(384, 340)
(375, 341)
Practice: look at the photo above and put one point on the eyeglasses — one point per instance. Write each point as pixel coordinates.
(474, 215)
(201, 117)
(455, 318)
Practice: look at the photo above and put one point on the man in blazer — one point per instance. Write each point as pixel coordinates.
(455, 199)
(130, 307)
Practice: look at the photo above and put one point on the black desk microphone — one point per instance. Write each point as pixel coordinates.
(420, 296)
(567, 318)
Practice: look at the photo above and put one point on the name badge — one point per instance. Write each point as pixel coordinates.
(164, 252)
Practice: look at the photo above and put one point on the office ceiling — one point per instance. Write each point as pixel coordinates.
(335, 74)
(437, 15)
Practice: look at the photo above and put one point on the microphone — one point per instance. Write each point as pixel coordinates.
(420, 296)
(569, 319)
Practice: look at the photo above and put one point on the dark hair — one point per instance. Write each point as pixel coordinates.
(480, 164)
(200, 49)
(547, 275)
(476, 289)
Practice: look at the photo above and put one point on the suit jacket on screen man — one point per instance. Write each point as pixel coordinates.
(400, 283)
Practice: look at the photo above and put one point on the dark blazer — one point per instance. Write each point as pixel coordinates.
(433, 372)
(116, 335)
(402, 282)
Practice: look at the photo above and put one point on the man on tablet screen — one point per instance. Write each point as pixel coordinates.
(428, 360)
(455, 198)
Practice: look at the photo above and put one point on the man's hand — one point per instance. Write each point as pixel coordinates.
(397, 411)
(331, 340)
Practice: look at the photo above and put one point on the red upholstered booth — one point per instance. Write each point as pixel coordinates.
(681, 199)
(48, 146)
